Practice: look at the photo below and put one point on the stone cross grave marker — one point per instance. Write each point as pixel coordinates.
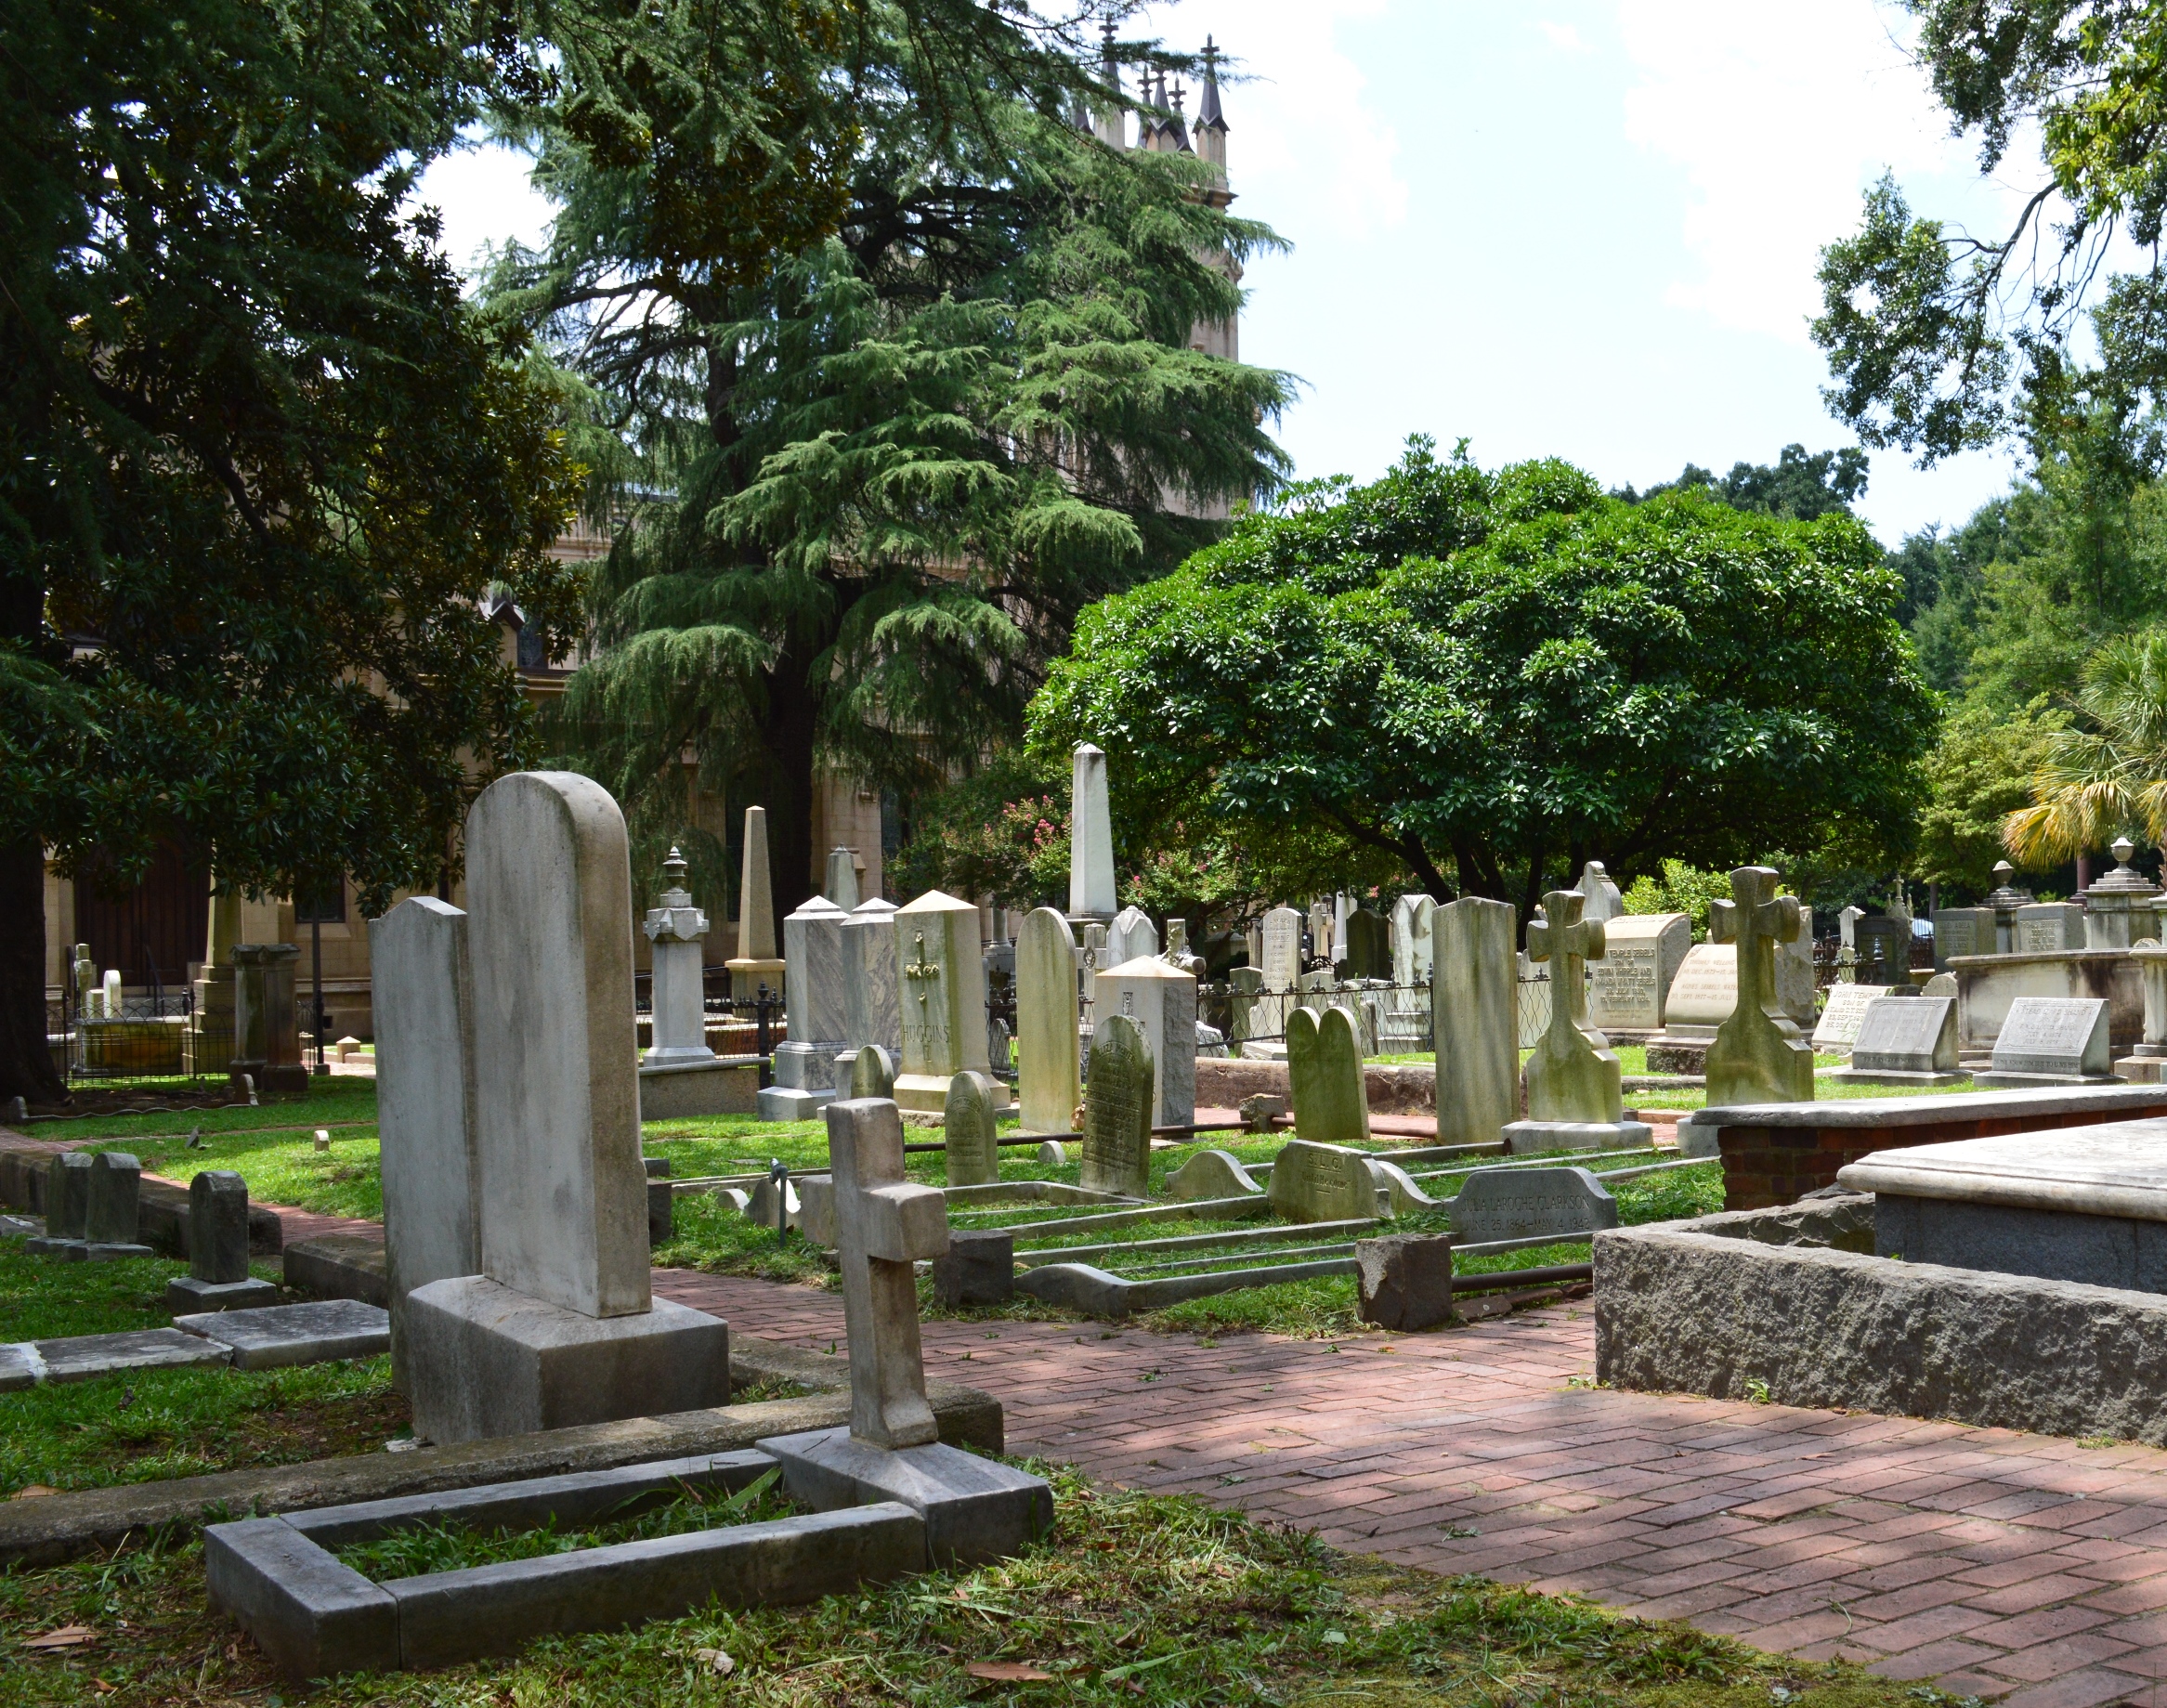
(1758, 1056)
(1841, 1019)
(967, 1128)
(678, 989)
(1321, 1182)
(872, 1011)
(1907, 1034)
(1323, 1073)
(1513, 1204)
(2053, 1038)
(883, 1225)
(1091, 856)
(1476, 1009)
(1162, 999)
(1049, 1063)
(1282, 948)
(1117, 1105)
(1572, 1076)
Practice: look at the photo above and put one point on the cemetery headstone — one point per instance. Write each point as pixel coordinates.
(1573, 1080)
(1403, 1281)
(967, 1131)
(979, 1268)
(1321, 1182)
(679, 994)
(217, 1239)
(1324, 1071)
(1961, 930)
(1117, 1108)
(267, 1045)
(430, 1156)
(1161, 999)
(1475, 1004)
(2051, 1040)
(1600, 900)
(1630, 987)
(1131, 936)
(1905, 1041)
(1847, 924)
(1368, 947)
(941, 976)
(559, 1326)
(1282, 963)
(1758, 1056)
(1414, 938)
(1091, 856)
(1048, 1065)
(1884, 951)
(2050, 928)
(842, 885)
(872, 1011)
(804, 1062)
(1323, 938)
(1703, 993)
(1940, 985)
(1840, 1020)
(1211, 1174)
(872, 1073)
(111, 1203)
(67, 1203)
(756, 963)
(1517, 1204)
(1245, 991)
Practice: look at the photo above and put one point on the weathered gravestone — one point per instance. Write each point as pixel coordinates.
(559, 1327)
(1282, 939)
(112, 1207)
(266, 1037)
(1162, 999)
(1573, 1102)
(1413, 940)
(1049, 1081)
(1758, 1056)
(1840, 1020)
(872, 1073)
(941, 974)
(1628, 988)
(1245, 996)
(1600, 900)
(1131, 936)
(967, 1130)
(1369, 949)
(217, 1277)
(1475, 1004)
(1963, 930)
(1321, 1182)
(1117, 1105)
(872, 1011)
(2049, 928)
(813, 987)
(2051, 1041)
(1403, 1282)
(675, 929)
(67, 1203)
(1905, 1041)
(842, 885)
(1518, 1204)
(1211, 1174)
(1091, 841)
(1702, 995)
(1884, 951)
(1324, 1073)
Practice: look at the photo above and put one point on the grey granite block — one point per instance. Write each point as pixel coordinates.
(1403, 1281)
(452, 1616)
(313, 1333)
(312, 1615)
(80, 1357)
(975, 1509)
(980, 1267)
(185, 1296)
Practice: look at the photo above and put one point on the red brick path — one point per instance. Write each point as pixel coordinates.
(1997, 1564)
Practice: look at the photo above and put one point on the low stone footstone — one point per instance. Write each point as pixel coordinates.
(1475, 1004)
(1211, 1174)
(1758, 1056)
(978, 1268)
(967, 1122)
(1118, 1110)
(872, 1074)
(1838, 1026)
(1324, 1071)
(217, 1277)
(1323, 1182)
(2051, 1041)
(1049, 1080)
(1403, 1281)
(1053, 1155)
(1905, 1041)
(112, 1205)
(1574, 1097)
(279, 1336)
(1402, 1195)
(1515, 1204)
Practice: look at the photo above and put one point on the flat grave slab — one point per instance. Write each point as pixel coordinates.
(279, 1336)
(185, 1296)
(77, 1358)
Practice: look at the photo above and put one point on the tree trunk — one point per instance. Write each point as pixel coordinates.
(26, 1066)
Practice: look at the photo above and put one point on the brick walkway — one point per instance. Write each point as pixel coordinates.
(1997, 1564)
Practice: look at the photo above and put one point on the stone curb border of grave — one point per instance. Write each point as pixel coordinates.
(57, 1528)
(314, 1615)
(1716, 1307)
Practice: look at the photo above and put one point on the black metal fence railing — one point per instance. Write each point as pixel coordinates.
(143, 1035)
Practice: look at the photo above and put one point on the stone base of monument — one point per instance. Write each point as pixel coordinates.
(84, 1251)
(290, 1080)
(1525, 1138)
(2032, 1082)
(1674, 1051)
(804, 1081)
(187, 1296)
(1889, 1076)
(975, 1510)
(482, 1360)
(2140, 1070)
(922, 1095)
(791, 1103)
(723, 1085)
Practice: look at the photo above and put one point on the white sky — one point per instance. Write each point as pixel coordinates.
(1585, 229)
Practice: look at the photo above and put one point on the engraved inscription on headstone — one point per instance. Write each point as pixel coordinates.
(1321, 1182)
(1117, 1108)
(2054, 1035)
(1282, 948)
(1907, 1034)
(1642, 952)
(1840, 1020)
(1512, 1203)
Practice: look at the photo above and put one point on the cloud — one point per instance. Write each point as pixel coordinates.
(483, 192)
(1564, 36)
(1781, 116)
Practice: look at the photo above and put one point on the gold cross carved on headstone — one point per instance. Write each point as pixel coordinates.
(918, 970)
(1567, 941)
(1756, 921)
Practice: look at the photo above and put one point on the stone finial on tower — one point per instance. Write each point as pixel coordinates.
(1106, 122)
(1176, 127)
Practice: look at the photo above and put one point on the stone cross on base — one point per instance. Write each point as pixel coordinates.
(1758, 1056)
(1569, 942)
(882, 1226)
(1574, 1081)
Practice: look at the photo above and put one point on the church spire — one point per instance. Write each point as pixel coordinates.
(1177, 126)
(1208, 116)
(1107, 123)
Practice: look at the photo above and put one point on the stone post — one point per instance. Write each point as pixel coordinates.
(677, 992)
(804, 1066)
(1091, 863)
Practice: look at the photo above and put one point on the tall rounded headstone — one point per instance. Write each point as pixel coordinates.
(1117, 1105)
(1047, 1052)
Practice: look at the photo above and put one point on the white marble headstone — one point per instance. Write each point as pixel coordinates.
(1131, 936)
(1841, 1019)
(2054, 1035)
(1091, 857)
(1629, 988)
(1907, 1035)
(1282, 963)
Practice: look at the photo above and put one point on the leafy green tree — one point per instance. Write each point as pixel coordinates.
(260, 463)
(1490, 677)
(1798, 488)
(1675, 887)
(2105, 772)
(1980, 772)
(905, 438)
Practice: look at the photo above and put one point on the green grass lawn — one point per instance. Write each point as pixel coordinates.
(1135, 1599)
